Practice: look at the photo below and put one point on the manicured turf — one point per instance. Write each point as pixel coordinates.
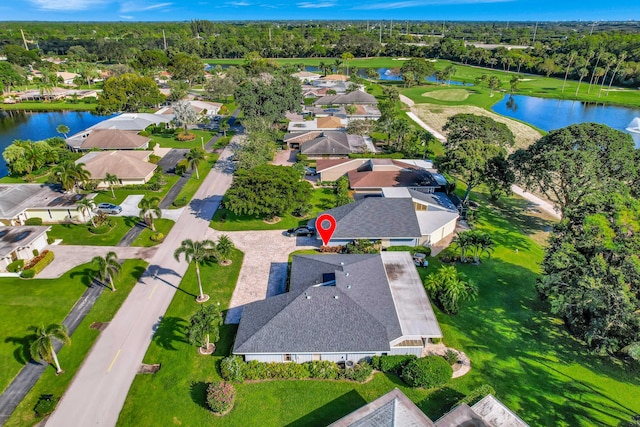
(162, 225)
(194, 183)
(33, 302)
(448, 94)
(224, 220)
(71, 356)
(537, 369)
(49, 106)
(79, 234)
(170, 140)
(104, 196)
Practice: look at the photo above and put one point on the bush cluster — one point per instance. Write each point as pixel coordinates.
(45, 405)
(331, 249)
(37, 264)
(157, 237)
(232, 368)
(413, 249)
(427, 372)
(477, 394)
(33, 221)
(103, 228)
(15, 266)
(178, 203)
(393, 364)
(448, 256)
(220, 396)
(362, 246)
(186, 136)
(181, 167)
(451, 357)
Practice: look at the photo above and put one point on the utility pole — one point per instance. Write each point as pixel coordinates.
(24, 40)
(535, 30)
(164, 37)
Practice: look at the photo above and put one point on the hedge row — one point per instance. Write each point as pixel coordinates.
(37, 264)
(393, 364)
(413, 249)
(427, 372)
(234, 369)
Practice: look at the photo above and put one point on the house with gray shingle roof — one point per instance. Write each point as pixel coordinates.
(341, 308)
(402, 217)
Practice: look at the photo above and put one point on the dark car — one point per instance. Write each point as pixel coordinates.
(300, 231)
(109, 208)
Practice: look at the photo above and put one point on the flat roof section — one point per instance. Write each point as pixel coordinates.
(416, 317)
(12, 238)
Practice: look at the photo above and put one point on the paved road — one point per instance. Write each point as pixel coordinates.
(31, 372)
(99, 389)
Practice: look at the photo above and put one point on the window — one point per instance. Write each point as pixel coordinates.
(287, 357)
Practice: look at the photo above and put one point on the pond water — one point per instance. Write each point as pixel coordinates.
(550, 114)
(37, 126)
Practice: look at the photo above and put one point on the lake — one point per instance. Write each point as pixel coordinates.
(550, 114)
(37, 126)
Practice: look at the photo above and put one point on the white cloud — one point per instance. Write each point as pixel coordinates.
(139, 6)
(417, 3)
(67, 5)
(126, 16)
(238, 3)
(308, 5)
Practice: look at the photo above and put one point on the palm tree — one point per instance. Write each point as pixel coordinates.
(149, 208)
(108, 267)
(63, 129)
(481, 243)
(337, 63)
(197, 252)
(346, 56)
(572, 57)
(323, 68)
(195, 156)
(623, 56)
(204, 326)
(224, 248)
(34, 156)
(69, 174)
(85, 206)
(464, 242)
(112, 180)
(449, 289)
(42, 348)
(224, 127)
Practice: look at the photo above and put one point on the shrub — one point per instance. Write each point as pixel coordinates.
(28, 274)
(45, 405)
(394, 363)
(103, 228)
(451, 357)
(360, 372)
(35, 252)
(15, 266)
(50, 240)
(157, 237)
(427, 372)
(33, 221)
(154, 159)
(363, 246)
(220, 396)
(178, 203)
(29, 177)
(232, 368)
(475, 395)
(322, 369)
(144, 133)
(186, 136)
(37, 264)
(182, 166)
(448, 256)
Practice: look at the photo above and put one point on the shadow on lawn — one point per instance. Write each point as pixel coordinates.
(22, 352)
(331, 411)
(522, 350)
(169, 330)
(198, 391)
(86, 276)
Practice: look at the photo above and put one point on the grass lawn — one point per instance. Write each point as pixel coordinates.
(194, 183)
(49, 301)
(225, 220)
(49, 106)
(536, 367)
(162, 225)
(104, 196)
(170, 141)
(79, 234)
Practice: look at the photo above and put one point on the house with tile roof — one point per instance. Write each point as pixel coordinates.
(403, 217)
(328, 144)
(341, 308)
(20, 242)
(131, 167)
(357, 97)
(110, 139)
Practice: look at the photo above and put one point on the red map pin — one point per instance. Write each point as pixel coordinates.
(326, 225)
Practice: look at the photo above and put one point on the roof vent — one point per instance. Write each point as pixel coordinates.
(346, 274)
(335, 297)
(308, 297)
(341, 263)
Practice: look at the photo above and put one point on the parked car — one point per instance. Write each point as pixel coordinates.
(109, 208)
(301, 231)
(310, 171)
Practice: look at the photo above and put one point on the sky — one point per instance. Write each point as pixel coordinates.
(428, 10)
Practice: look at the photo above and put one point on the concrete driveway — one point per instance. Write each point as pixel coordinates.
(265, 266)
(169, 160)
(130, 208)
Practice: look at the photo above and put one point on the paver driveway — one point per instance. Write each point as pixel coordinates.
(264, 269)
